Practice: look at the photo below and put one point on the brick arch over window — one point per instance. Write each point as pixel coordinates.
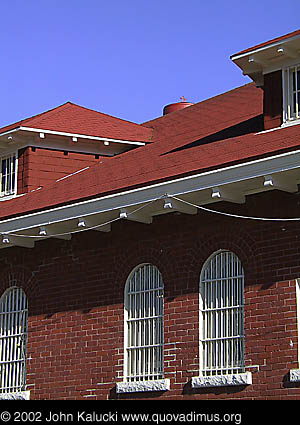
(232, 239)
(138, 253)
(20, 277)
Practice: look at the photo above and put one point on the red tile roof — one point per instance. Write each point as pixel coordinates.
(267, 43)
(75, 119)
(198, 131)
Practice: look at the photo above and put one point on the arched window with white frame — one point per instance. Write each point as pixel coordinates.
(222, 315)
(295, 373)
(13, 340)
(144, 333)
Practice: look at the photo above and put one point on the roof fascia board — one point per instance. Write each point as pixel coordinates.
(10, 131)
(260, 49)
(82, 136)
(177, 187)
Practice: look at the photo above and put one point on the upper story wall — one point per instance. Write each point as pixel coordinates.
(273, 99)
(39, 167)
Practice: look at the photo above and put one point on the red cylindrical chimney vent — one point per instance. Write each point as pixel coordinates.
(172, 107)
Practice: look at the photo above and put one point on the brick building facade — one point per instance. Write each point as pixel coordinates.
(181, 193)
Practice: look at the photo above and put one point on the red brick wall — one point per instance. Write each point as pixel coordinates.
(273, 100)
(39, 167)
(75, 290)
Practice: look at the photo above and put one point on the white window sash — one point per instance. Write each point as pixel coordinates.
(8, 174)
(291, 94)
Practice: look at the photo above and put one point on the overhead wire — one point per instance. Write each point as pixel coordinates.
(166, 195)
(235, 215)
(80, 230)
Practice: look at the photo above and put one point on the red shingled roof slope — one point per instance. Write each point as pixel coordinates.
(204, 118)
(75, 119)
(159, 161)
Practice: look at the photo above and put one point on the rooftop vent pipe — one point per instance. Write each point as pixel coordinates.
(172, 107)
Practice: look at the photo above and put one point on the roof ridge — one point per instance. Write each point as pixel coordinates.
(28, 119)
(68, 104)
(107, 115)
(48, 112)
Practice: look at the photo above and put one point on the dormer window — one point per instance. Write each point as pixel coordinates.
(8, 175)
(274, 66)
(291, 92)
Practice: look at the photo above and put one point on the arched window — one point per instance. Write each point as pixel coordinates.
(222, 315)
(13, 340)
(144, 293)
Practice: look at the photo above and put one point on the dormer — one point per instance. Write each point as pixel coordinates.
(48, 147)
(275, 67)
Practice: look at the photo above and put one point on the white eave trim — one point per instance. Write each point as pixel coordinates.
(9, 131)
(177, 187)
(77, 135)
(262, 48)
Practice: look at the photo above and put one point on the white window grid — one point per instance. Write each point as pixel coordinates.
(8, 175)
(13, 340)
(291, 93)
(222, 315)
(144, 292)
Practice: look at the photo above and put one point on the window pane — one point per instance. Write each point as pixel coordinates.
(294, 80)
(3, 175)
(298, 80)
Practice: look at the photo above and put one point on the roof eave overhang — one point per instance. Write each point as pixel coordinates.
(81, 136)
(268, 58)
(232, 184)
(73, 141)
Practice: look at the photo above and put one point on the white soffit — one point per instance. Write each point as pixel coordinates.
(231, 184)
(42, 132)
(74, 142)
(81, 136)
(268, 58)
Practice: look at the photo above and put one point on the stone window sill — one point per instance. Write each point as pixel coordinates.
(22, 395)
(134, 387)
(295, 375)
(222, 380)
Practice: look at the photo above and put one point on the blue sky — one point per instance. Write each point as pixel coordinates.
(128, 58)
